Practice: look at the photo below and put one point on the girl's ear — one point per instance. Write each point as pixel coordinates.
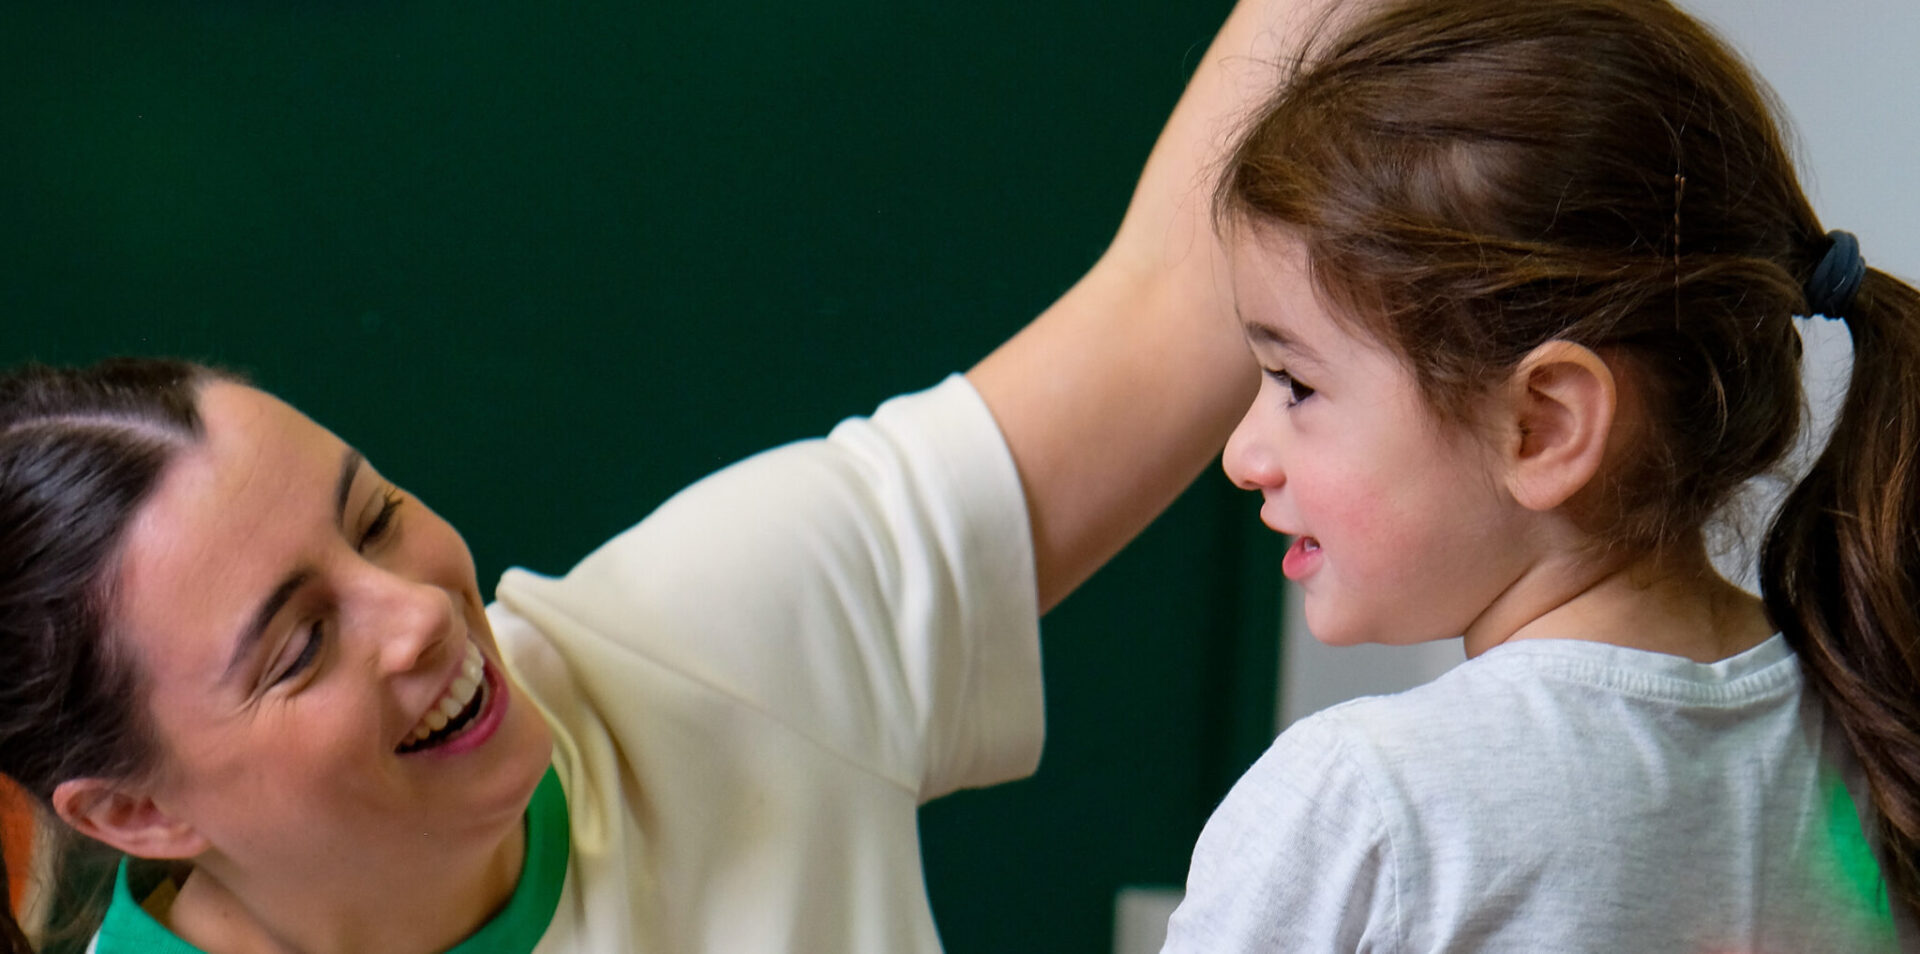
(1562, 400)
(125, 819)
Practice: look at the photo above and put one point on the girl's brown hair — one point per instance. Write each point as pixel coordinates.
(1474, 178)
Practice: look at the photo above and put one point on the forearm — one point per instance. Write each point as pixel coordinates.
(1126, 388)
(1112, 402)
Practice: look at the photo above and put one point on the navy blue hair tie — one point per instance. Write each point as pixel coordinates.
(1835, 280)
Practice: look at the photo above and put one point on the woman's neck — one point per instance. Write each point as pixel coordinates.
(406, 913)
(1674, 603)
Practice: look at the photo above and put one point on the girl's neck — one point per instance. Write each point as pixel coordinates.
(1673, 603)
(420, 913)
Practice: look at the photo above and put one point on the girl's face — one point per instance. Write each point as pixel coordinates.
(297, 618)
(1402, 529)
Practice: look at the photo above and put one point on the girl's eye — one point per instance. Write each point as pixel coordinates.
(308, 653)
(1296, 392)
(382, 523)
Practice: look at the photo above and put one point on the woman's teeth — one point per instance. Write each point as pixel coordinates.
(459, 695)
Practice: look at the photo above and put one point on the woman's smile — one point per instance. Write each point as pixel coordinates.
(467, 715)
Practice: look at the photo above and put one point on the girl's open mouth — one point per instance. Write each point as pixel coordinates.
(1301, 559)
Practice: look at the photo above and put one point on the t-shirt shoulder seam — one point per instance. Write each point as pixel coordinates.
(1347, 740)
(718, 691)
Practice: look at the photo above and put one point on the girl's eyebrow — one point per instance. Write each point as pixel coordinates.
(256, 628)
(1259, 332)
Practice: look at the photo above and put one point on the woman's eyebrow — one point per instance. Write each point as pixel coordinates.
(349, 468)
(256, 628)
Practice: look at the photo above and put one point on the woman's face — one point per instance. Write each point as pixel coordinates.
(296, 619)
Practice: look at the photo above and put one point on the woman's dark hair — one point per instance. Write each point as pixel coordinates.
(1474, 178)
(80, 451)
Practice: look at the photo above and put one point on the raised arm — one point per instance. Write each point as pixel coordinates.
(1122, 391)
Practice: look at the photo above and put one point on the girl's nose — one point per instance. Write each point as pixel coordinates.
(1251, 459)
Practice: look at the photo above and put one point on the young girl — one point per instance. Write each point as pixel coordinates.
(1522, 277)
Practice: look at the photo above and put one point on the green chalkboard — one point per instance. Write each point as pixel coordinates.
(548, 262)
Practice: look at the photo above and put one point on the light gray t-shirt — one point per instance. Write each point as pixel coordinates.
(1549, 796)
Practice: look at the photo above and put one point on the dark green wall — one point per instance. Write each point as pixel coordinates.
(548, 262)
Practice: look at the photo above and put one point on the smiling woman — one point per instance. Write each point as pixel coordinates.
(711, 735)
(295, 621)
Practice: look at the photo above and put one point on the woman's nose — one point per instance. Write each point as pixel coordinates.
(414, 622)
(1250, 458)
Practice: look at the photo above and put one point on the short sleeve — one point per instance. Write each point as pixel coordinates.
(872, 591)
(1295, 859)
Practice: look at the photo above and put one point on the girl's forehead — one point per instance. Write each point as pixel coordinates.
(1280, 306)
(1276, 267)
(1270, 289)
(1266, 254)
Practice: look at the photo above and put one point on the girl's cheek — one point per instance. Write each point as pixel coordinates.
(1368, 518)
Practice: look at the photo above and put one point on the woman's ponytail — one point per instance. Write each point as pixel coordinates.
(13, 938)
(1840, 569)
(80, 451)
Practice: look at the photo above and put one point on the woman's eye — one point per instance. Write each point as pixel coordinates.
(1296, 392)
(308, 653)
(382, 523)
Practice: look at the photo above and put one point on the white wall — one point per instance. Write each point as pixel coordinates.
(1846, 73)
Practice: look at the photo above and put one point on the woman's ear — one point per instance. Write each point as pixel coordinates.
(124, 818)
(1562, 400)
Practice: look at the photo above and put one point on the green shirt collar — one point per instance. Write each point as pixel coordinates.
(129, 929)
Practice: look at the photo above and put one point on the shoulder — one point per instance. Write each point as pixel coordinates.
(1301, 854)
(1480, 700)
(872, 591)
(1537, 737)
(1395, 765)
(1327, 841)
(925, 481)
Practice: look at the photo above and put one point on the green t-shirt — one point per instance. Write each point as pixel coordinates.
(129, 929)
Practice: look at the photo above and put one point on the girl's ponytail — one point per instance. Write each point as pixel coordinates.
(1840, 569)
